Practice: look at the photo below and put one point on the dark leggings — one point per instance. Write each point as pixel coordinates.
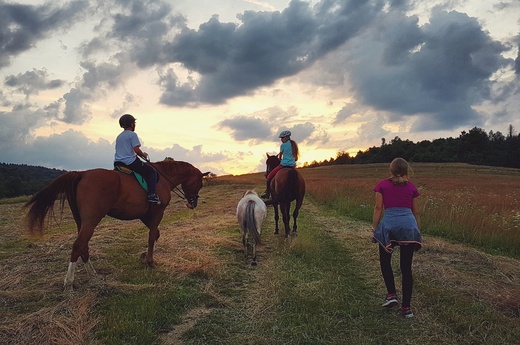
(406, 256)
(149, 173)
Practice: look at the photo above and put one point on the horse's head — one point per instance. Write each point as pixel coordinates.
(271, 163)
(191, 187)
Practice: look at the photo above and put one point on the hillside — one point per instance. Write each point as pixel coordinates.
(21, 179)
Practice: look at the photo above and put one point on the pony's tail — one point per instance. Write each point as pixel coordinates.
(42, 203)
(250, 221)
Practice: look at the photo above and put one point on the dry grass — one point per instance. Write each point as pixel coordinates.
(66, 323)
(471, 204)
(492, 280)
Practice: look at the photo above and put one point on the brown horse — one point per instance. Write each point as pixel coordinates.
(286, 186)
(92, 194)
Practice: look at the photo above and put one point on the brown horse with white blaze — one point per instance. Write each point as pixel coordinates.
(93, 194)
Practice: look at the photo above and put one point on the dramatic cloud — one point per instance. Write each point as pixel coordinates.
(22, 26)
(234, 59)
(437, 71)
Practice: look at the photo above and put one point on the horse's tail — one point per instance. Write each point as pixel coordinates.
(292, 183)
(250, 220)
(42, 203)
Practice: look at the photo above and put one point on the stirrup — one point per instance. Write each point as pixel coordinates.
(154, 198)
(268, 202)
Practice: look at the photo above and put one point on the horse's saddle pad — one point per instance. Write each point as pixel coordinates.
(140, 179)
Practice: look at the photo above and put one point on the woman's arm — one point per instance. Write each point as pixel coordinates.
(378, 210)
(415, 211)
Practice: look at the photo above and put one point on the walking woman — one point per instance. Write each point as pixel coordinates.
(396, 223)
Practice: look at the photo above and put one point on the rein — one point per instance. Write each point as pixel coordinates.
(175, 189)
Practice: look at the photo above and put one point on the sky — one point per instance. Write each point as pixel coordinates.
(213, 82)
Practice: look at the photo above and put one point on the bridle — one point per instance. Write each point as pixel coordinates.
(176, 190)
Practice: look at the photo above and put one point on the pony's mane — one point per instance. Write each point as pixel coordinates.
(249, 191)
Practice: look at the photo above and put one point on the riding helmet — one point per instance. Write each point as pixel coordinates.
(285, 134)
(126, 120)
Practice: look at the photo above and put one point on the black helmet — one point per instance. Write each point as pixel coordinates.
(126, 120)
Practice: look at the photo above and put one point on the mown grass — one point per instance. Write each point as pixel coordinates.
(139, 317)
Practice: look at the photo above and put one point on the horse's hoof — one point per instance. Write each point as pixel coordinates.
(253, 263)
(144, 260)
(276, 232)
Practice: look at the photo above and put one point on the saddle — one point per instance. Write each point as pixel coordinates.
(140, 179)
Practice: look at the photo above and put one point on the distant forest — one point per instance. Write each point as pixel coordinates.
(473, 147)
(21, 179)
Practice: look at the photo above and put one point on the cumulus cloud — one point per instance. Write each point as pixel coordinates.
(22, 26)
(437, 71)
(31, 82)
(235, 59)
(247, 128)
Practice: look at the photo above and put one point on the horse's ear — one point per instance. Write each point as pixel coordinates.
(267, 154)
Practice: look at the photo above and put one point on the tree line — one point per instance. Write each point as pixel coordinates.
(473, 147)
(21, 179)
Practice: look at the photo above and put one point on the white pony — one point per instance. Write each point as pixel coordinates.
(251, 212)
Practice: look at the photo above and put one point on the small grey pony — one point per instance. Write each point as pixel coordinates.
(251, 212)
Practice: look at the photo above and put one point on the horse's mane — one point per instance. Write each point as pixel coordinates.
(175, 167)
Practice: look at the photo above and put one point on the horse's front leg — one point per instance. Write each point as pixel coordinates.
(276, 218)
(153, 236)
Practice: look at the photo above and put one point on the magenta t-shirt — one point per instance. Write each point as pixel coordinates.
(397, 195)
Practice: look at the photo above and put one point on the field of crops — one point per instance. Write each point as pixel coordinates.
(475, 205)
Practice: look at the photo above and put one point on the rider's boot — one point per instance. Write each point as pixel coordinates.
(267, 193)
(154, 199)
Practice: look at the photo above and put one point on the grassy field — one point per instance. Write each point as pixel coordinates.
(322, 286)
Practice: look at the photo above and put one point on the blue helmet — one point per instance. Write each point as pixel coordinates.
(285, 134)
